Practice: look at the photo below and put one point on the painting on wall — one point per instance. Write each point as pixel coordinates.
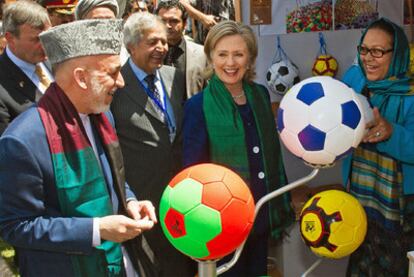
(295, 16)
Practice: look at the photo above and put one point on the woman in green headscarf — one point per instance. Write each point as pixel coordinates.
(380, 172)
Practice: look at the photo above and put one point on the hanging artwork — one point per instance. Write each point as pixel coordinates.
(295, 16)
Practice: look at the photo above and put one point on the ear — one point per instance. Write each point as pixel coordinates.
(10, 39)
(80, 76)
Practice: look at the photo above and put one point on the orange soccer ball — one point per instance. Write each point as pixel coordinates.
(325, 65)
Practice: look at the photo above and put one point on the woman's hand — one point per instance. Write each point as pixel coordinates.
(379, 129)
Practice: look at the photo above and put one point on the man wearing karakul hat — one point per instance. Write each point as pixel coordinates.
(88, 9)
(64, 204)
(101, 9)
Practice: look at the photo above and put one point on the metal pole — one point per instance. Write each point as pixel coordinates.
(207, 269)
(264, 199)
(311, 268)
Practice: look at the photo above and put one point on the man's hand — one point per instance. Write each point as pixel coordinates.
(140, 210)
(119, 228)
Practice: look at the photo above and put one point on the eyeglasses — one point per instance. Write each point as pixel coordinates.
(375, 52)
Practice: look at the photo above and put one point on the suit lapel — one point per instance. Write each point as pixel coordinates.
(18, 80)
(174, 90)
(136, 92)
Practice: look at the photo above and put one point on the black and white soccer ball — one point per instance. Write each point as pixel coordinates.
(281, 76)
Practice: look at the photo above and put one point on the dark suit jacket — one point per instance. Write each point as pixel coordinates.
(150, 159)
(17, 91)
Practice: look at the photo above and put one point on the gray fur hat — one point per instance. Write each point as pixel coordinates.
(85, 6)
(82, 38)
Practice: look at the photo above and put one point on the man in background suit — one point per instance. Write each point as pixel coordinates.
(148, 115)
(23, 75)
(186, 56)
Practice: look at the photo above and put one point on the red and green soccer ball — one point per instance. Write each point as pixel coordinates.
(206, 211)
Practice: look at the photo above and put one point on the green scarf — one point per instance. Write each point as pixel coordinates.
(228, 145)
(80, 184)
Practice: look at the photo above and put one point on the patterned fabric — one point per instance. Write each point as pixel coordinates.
(150, 79)
(381, 197)
(384, 253)
(228, 145)
(221, 9)
(82, 38)
(44, 81)
(80, 184)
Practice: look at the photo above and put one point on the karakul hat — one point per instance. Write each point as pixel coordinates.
(82, 38)
(85, 6)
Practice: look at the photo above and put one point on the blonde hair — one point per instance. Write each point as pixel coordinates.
(230, 28)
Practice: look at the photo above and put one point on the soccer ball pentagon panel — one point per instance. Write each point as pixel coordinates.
(321, 120)
(325, 65)
(333, 224)
(281, 76)
(206, 211)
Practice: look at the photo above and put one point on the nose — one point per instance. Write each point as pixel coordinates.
(230, 60)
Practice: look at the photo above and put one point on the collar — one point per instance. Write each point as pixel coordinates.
(181, 45)
(23, 65)
(141, 74)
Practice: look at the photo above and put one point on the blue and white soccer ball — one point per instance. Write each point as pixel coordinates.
(321, 120)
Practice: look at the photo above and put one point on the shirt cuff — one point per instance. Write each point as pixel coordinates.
(131, 199)
(96, 238)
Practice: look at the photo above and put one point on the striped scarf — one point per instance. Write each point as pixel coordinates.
(81, 187)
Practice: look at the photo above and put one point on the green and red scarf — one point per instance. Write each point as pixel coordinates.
(228, 144)
(80, 183)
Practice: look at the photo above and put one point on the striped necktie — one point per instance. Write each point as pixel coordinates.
(44, 80)
(150, 79)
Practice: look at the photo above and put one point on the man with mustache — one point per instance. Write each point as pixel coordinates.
(65, 205)
(148, 115)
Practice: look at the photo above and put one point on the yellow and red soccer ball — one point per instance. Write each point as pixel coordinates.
(206, 211)
(325, 65)
(333, 224)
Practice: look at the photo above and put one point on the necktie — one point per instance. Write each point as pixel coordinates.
(44, 81)
(150, 79)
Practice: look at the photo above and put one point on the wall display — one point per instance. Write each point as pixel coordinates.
(294, 16)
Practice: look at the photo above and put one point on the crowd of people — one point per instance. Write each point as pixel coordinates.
(101, 104)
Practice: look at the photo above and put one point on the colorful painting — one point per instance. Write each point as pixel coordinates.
(295, 16)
